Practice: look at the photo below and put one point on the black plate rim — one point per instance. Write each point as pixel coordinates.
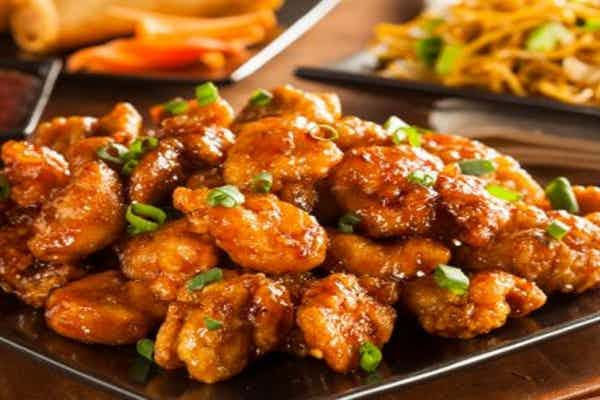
(342, 72)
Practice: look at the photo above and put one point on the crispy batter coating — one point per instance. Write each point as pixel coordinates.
(85, 216)
(524, 248)
(217, 113)
(34, 172)
(159, 172)
(303, 195)
(355, 132)
(492, 297)
(588, 198)
(373, 182)
(205, 145)
(476, 215)
(287, 100)
(60, 133)
(208, 178)
(385, 291)
(167, 258)
(20, 273)
(86, 150)
(255, 315)
(104, 308)
(284, 147)
(337, 315)
(123, 123)
(393, 260)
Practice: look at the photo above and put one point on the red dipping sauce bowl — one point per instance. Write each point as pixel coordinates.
(18, 92)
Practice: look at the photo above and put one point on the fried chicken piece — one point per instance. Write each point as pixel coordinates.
(217, 113)
(588, 198)
(452, 149)
(263, 234)
(208, 178)
(303, 195)
(337, 316)
(373, 182)
(86, 150)
(289, 101)
(84, 217)
(166, 259)
(355, 132)
(287, 148)
(60, 133)
(476, 215)
(104, 308)
(397, 260)
(29, 279)
(524, 248)
(159, 172)
(123, 123)
(492, 297)
(230, 323)
(385, 291)
(34, 172)
(205, 145)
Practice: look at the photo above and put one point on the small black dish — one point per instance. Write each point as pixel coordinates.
(360, 68)
(46, 73)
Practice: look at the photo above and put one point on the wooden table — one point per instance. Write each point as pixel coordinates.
(566, 368)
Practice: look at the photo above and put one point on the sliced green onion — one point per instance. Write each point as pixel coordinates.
(413, 135)
(176, 106)
(452, 279)
(392, 124)
(140, 146)
(592, 24)
(428, 50)
(212, 324)
(370, 357)
(558, 229)
(423, 178)
(476, 167)
(207, 93)
(225, 196)
(347, 222)
(4, 188)
(140, 369)
(144, 218)
(261, 98)
(561, 196)
(332, 133)
(399, 137)
(503, 193)
(263, 182)
(430, 25)
(205, 278)
(145, 348)
(547, 37)
(448, 59)
(113, 153)
(129, 167)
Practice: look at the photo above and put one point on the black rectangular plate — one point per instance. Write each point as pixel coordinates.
(360, 69)
(47, 72)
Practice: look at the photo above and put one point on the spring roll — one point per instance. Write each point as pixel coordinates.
(43, 26)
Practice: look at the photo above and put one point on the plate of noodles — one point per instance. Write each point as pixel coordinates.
(543, 53)
(185, 41)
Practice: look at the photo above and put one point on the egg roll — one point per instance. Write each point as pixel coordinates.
(43, 26)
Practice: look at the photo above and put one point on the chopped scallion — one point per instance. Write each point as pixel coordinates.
(112, 153)
(263, 182)
(423, 178)
(207, 93)
(347, 222)
(393, 127)
(476, 167)
(428, 50)
(430, 25)
(227, 196)
(144, 218)
(448, 59)
(205, 279)
(370, 357)
(145, 348)
(129, 167)
(331, 134)
(592, 24)
(176, 106)
(561, 196)
(547, 37)
(413, 135)
(558, 229)
(451, 278)
(261, 98)
(503, 193)
(212, 324)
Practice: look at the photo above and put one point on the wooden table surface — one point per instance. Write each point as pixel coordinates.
(565, 368)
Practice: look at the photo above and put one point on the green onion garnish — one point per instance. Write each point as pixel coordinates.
(370, 357)
(413, 134)
(212, 324)
(430, 25)
(448, 59)
(561, 196)
(393, 127)
(144, 218)
(227, 196)
(145, 348)
(129, 167)
(428, 50)
(140, 146)
(176, 106)
(347, 222)
(592, 24)
(207, 93)
(423, 178)
(503, 193)
(261, 98)
(451, 278)
(476, 167)
(113, 153)
(263, 182)
(558, 229)
(205, 278)
(4, 188)
(547, 37)
(331, 133)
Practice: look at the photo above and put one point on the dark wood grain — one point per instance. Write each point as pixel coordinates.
(566, 368)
